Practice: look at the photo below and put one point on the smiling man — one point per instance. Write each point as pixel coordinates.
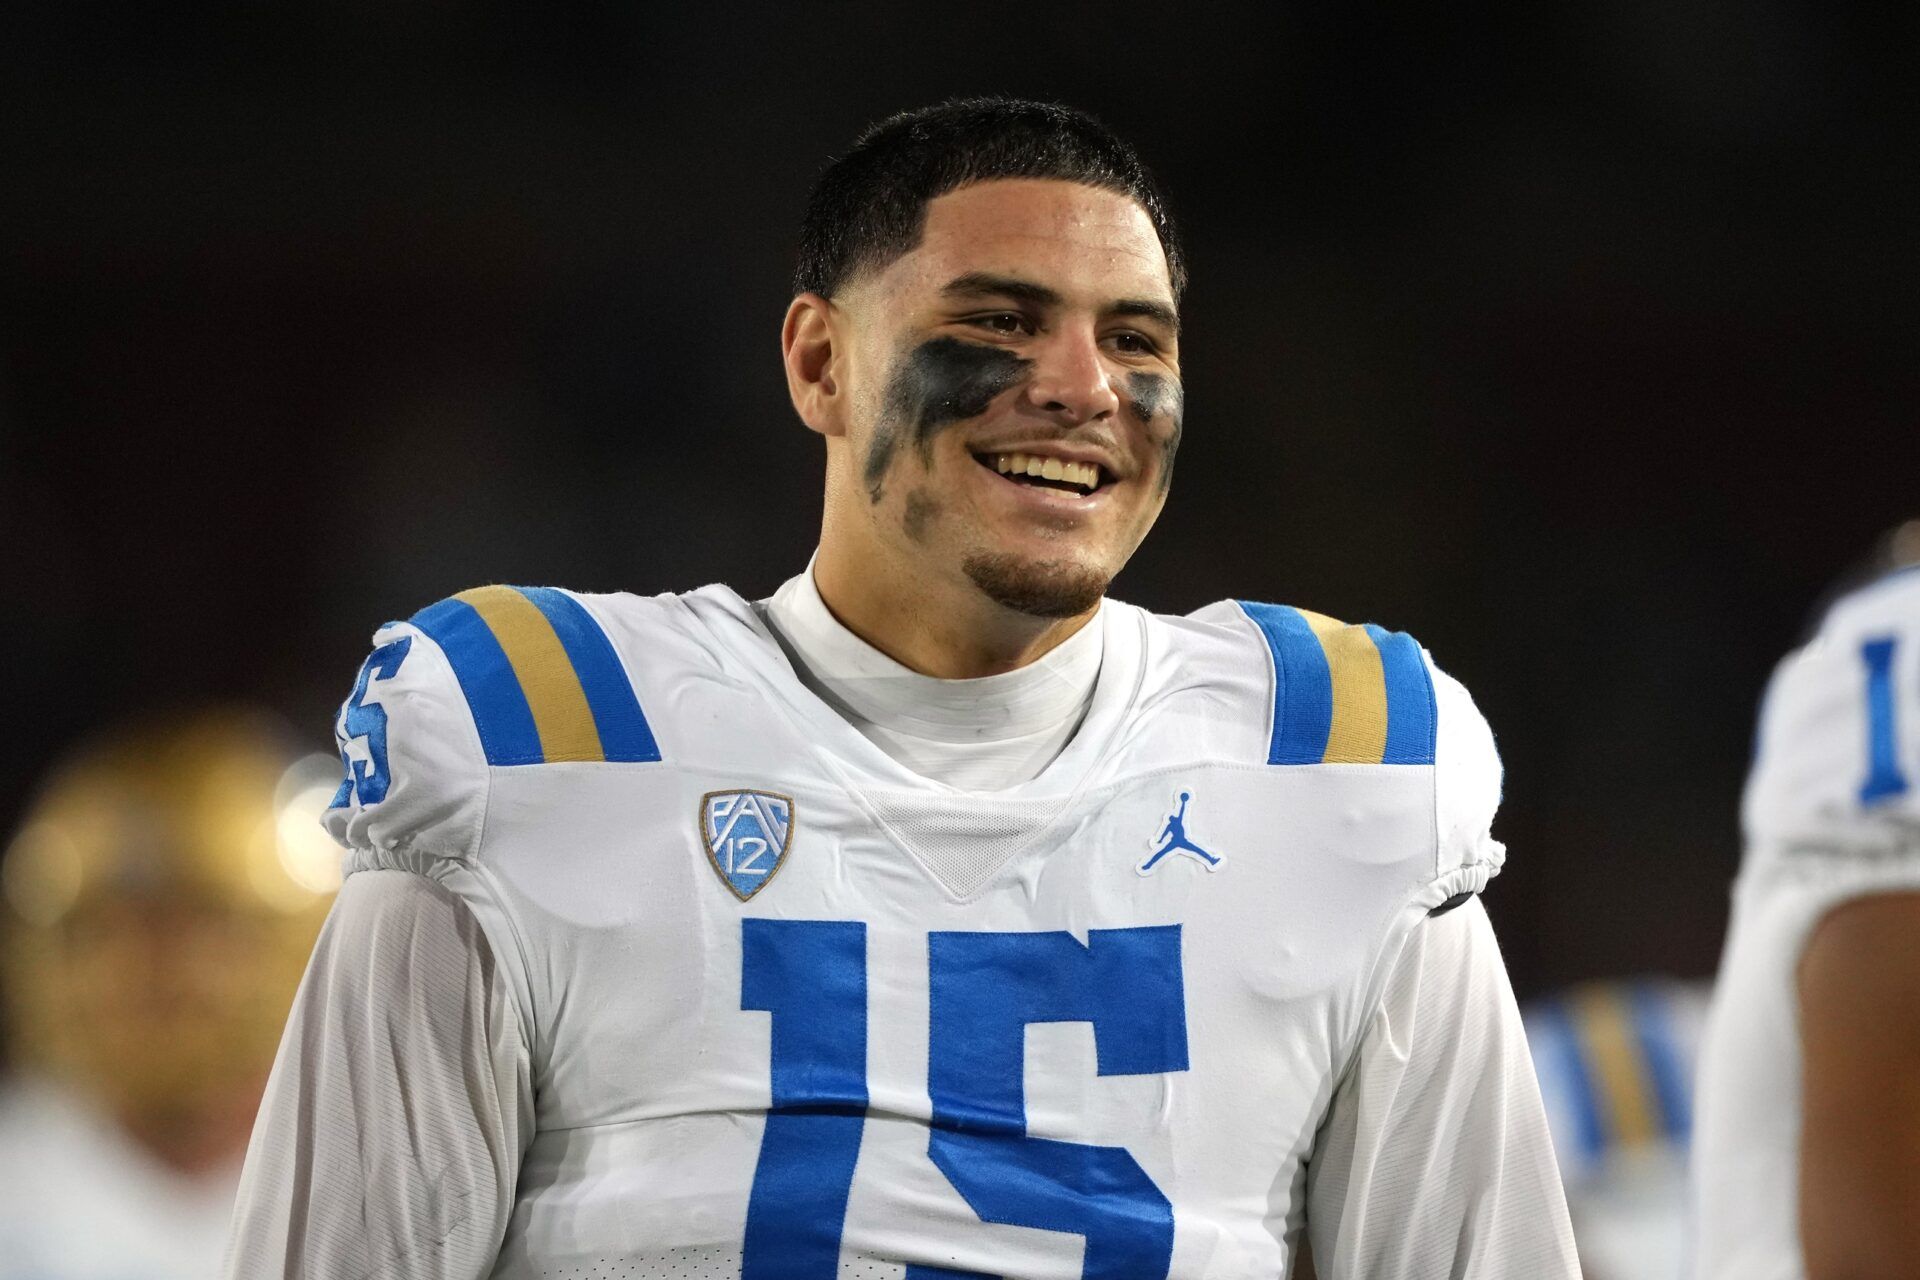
(937, 917)
(1005, 396)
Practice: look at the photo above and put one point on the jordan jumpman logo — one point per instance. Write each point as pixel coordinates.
(1173, 838)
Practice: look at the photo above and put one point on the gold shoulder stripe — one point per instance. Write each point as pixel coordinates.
(546, 674)
(1358, 733)
(1605, 1028)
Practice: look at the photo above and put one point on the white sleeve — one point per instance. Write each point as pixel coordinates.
(391, 1134)
(1435, 1158)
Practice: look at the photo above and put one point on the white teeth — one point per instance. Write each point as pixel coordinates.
(1084, 474)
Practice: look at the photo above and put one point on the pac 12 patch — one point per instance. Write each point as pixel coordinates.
(746, 835)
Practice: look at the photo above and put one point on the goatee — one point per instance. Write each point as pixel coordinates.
(1038, 588)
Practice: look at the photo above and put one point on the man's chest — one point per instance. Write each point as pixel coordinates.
(770, 1025)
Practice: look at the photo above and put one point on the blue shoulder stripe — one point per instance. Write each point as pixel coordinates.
(500, 711)
(1561, 1054)
(1302, 684)
(1411, 715)
(1344, 694)
(624, 731)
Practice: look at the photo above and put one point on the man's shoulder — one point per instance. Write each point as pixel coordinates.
(1893, 599)
(1315, 692)
(1332, 692)
(506, 676)
(550, 675)
(1835, 752)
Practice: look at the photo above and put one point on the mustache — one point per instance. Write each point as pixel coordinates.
(1097, 438)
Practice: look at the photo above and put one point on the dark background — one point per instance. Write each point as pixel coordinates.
(1579, 342)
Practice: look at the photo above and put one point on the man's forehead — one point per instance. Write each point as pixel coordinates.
(1078, 240)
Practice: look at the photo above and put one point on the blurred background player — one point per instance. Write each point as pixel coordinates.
(160, 899)
(1616, 1066)
(1808, 1155)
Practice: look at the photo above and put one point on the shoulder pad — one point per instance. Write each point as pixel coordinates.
(1364, 695)
(1837, 753)
(1467, 779)
(540, 677)
(1344, 694)
(495, 676)
(415, 779)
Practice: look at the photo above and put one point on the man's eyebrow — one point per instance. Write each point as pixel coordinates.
(985, 284)
(982, 284)
(1147, 309)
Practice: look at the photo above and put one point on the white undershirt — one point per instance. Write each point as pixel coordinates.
(976, 735)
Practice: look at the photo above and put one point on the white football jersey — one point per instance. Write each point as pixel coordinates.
(81, 1200)
(793, 1011)
(1831, 813)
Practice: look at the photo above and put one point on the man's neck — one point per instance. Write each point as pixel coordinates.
(929, 625)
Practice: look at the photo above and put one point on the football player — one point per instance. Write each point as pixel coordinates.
(1807, 1148)
(1616, 1065)
(936, 917)
(159, 901)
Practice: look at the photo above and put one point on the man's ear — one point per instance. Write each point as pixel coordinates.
(807, 344)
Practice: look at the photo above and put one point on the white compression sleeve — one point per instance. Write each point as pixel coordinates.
(391, 1133)
(1435, 1158)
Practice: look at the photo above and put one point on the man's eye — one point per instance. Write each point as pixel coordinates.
(1134, 344)
(1008, 322)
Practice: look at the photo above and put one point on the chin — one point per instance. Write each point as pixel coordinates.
(1038, 588)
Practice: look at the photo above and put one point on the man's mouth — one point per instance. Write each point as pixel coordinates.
(1080, 478)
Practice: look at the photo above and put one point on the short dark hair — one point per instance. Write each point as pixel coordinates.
(870, 206)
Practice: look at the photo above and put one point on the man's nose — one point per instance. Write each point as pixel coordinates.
(1070, 379)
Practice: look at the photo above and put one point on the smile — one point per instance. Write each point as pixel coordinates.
(1078, 478)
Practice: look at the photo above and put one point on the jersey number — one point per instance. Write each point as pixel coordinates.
(1884, 777)
(367, 780)
(984, 988)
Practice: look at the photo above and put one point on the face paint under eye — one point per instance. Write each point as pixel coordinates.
(941, 382)
(922, 509)
(1153, 396)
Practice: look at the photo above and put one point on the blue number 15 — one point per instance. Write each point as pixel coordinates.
(985, 988)
(368, 781)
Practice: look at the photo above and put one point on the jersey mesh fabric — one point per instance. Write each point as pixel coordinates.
(400, 1102)
(709, 1263)
(963, 840)
(1423, 1129)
